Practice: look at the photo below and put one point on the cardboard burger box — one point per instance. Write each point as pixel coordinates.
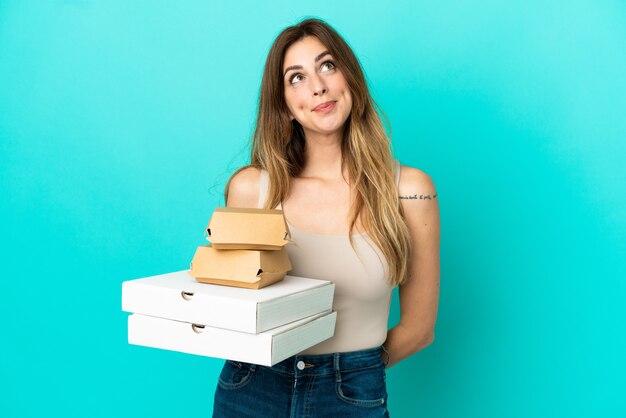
(247, 229)
(252, 269)
(177, 296)
(266, 348)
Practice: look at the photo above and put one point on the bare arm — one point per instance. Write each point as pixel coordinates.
(419, 296)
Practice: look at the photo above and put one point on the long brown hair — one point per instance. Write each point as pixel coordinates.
(278, 146)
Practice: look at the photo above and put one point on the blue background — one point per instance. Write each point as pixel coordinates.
(121, 121)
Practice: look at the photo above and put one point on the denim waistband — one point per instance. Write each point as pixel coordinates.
(328, 364)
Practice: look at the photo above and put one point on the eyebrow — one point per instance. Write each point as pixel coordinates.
(299, 67)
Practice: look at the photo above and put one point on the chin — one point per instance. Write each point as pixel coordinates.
(332, 126)
(329, 129)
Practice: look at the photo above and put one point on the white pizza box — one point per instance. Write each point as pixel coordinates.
(180, 297)
(266, 348)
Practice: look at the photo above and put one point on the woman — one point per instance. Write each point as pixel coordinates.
(321, 154)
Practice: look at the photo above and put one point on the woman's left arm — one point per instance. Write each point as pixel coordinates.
(419, 295)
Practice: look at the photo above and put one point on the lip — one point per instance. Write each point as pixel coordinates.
(325, 107)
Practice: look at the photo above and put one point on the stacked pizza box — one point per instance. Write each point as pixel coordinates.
(237, 301)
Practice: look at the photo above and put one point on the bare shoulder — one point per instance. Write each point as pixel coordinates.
(416, 185)
(419, 200)
(243, 189)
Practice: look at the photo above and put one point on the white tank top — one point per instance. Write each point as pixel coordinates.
(362, 294)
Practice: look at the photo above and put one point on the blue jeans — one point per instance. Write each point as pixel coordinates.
(349, 384)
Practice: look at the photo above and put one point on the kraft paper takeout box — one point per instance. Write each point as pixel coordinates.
(252, 269)
(247, 228)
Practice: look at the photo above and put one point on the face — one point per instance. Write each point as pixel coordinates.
(312, 79)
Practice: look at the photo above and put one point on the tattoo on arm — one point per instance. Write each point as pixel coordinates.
(420, 197)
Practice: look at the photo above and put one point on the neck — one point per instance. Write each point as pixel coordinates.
(322, 156)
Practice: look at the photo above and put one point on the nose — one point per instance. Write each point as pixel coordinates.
(319, 87)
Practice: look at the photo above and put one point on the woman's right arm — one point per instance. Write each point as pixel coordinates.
(243, 190)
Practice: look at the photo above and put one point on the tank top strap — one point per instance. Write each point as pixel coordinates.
(263, 187)
(397, 172)
(264, 184)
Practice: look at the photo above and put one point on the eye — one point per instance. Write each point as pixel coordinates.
(291, 79)
(331, 63)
